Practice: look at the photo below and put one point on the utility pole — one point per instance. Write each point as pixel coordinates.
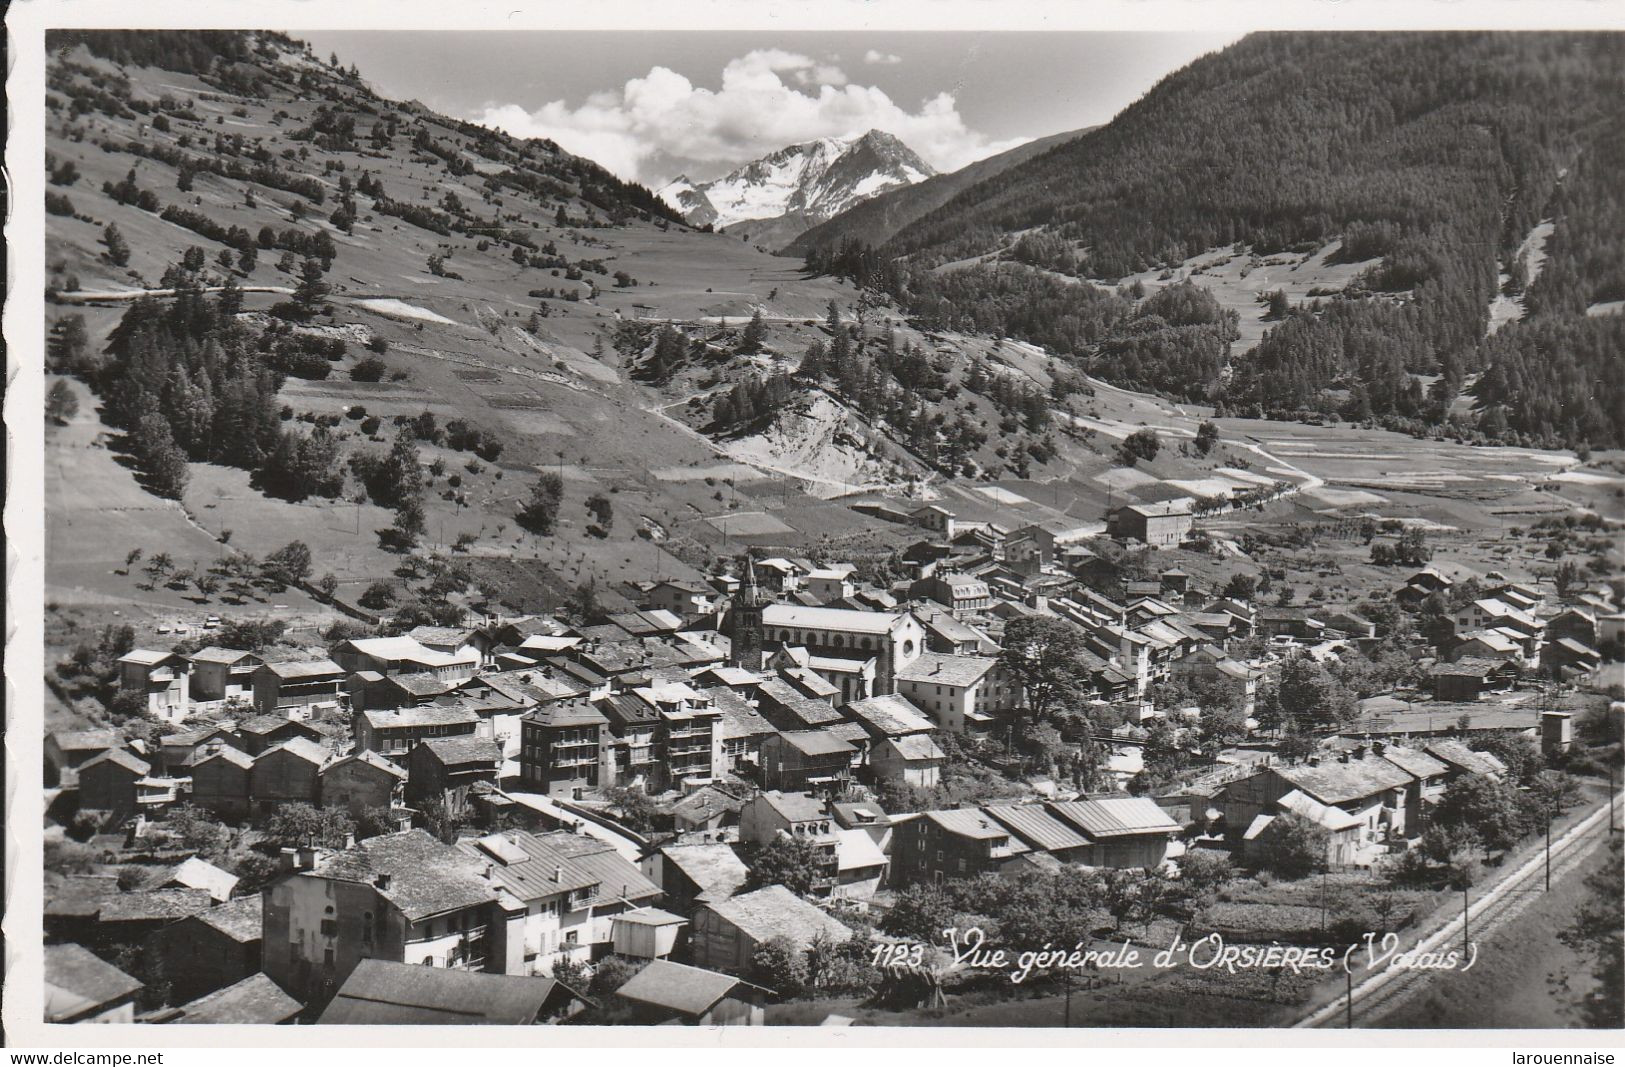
(1466, 940)
(1348, 1003)
(1549, 843)
(1324, 869)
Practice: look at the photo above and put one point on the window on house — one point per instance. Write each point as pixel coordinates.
(330, 928)
(572, 937)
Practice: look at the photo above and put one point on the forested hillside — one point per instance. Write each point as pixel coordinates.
(1432, 153)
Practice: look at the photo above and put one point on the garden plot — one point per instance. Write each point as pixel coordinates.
(1001, 496)
(1125, 478)
(750, 524)
(1344, 498)
(717, 471)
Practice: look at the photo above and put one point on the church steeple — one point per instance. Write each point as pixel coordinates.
(745, 622)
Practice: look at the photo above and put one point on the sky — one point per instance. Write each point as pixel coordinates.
(651, 106)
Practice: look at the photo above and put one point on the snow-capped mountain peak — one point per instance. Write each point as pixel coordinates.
(813, 181)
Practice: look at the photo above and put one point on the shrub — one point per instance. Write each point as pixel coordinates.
(370, 369)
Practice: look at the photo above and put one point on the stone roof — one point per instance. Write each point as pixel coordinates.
(1456, 754)
(715, 868)
(1419, 764)
(453, 751)
(77, 981)
(383, 992)
(87, 740)
(938, 668)
(118, 756)
(890, 715)
(241, 919)
(254, 1000)
(289, 670)
(216, 654)
(739, 719)
(1336, 782)
(774, 911)
(531, 866)
(198, 873)
(371, 759)
(299, 747)
(426, 877)
(427, 715)
(678, 988)
(795, 807)
(154, 905)
(816, 743)
(916, 747)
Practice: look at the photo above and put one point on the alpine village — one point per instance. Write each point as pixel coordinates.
(481, 589)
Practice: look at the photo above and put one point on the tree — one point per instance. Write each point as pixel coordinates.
(779, 965)
(159, 565)
(1292, 846)
(1207, 435)
(1565, 577)
(408, 524)
(1203, 871)
(634, 807)
(1487, 811)
(197, 830)
(785, 860)
(610, 975)
(541, 510)
(1044, 656)
(1307, 694)
(118, 250)
(1412, 548)
(61, 403)
(312, 291)
(301, 825)
(750, 341)
(327, 585)
(1523, 760)
(582, 603)
(376, 821)
(377, 595)
(602, 512)
(1141, 444)
(441, 819)
(69, 343)
(1240, 586)
(288, 565)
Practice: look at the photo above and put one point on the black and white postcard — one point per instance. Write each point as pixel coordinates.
(1038, 521)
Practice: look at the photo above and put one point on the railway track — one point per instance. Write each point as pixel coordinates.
(1381, 991)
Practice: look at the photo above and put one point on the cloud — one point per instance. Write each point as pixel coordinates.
(882, 58)
(661, 123)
